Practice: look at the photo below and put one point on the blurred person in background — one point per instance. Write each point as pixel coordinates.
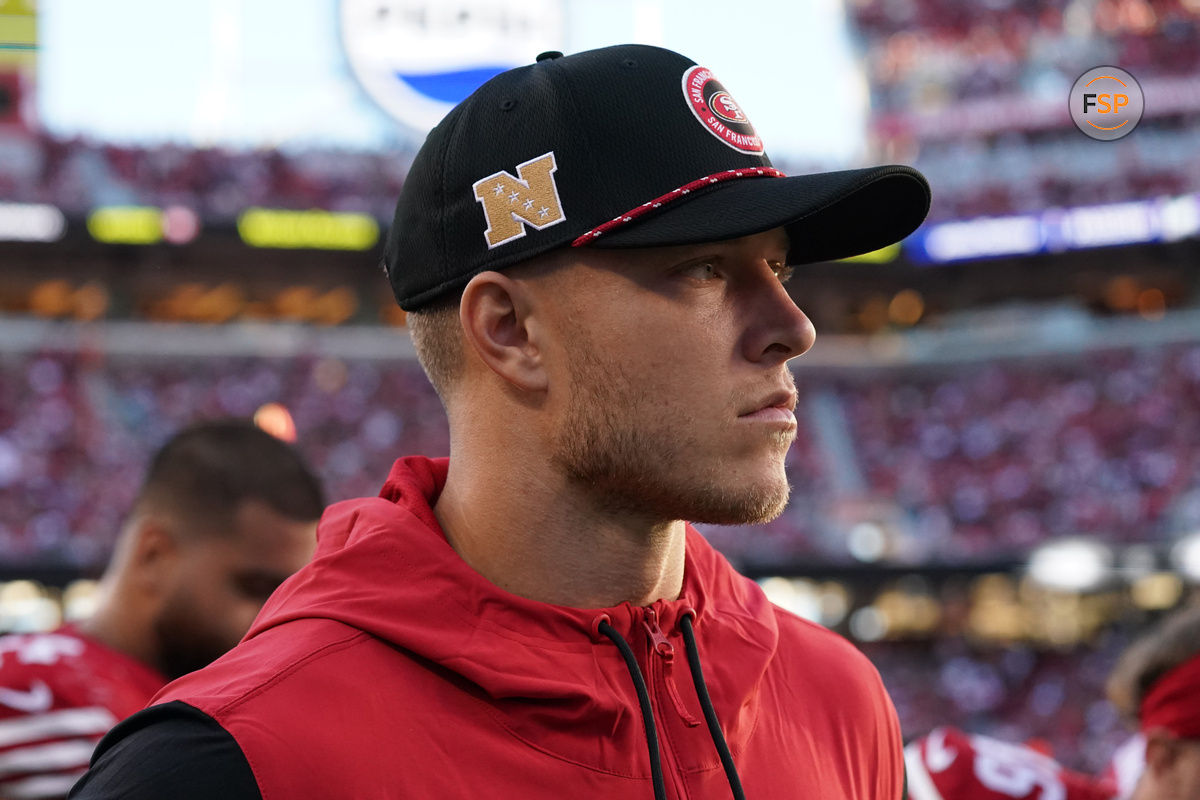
(948, 764)
(225, 513)
(1156, 684)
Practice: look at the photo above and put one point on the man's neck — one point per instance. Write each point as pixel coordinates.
(538, 537)
(116, 630)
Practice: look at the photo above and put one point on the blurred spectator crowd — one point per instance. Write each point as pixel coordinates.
(77, 428)
(969, 463)
(972, 175)
(991, 459)
(78, 175)
(1025, 172)
(972, 463)
(923, 54)
(975, 95)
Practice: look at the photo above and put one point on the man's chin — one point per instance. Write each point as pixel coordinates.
(752, 506)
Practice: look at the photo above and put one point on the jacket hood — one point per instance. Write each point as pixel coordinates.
(383, 566)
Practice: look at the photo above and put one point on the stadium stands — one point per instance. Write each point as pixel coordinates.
(961, 463)
(78, 175)
(995, 458)
(976, 97)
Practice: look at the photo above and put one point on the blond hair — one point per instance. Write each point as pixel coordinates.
(437, 338)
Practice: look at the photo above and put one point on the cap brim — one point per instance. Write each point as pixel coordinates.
(827, 215)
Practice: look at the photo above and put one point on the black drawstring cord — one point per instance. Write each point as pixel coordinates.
(710, 714)
(660, 789)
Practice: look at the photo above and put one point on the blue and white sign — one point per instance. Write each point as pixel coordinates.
(1164, 219)
(418, 58)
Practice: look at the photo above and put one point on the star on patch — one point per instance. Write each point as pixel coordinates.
(498, 189)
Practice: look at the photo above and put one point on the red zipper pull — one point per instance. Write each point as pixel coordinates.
(662, 645)
(666, 651)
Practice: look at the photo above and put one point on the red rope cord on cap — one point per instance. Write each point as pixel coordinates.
(1174, 701)
(674, 194)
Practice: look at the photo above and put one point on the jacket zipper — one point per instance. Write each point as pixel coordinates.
(662, 647)
(661, 655)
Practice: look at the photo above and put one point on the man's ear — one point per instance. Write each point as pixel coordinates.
(1161, 750)
(498, 325)
(154, 554)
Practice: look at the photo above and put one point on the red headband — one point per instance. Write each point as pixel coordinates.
(1174, 701)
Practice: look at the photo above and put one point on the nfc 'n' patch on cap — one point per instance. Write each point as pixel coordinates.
(625, 146)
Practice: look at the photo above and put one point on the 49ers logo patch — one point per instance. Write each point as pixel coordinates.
(718, 112)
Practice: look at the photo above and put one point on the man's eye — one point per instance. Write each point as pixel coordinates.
(782, 271)
(701, 270)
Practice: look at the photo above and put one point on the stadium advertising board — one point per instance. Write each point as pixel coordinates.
(418, 58)
(1165, 219)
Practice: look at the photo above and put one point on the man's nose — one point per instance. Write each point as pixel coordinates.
(779, 329)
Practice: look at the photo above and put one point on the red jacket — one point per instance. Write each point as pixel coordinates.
(388, 668)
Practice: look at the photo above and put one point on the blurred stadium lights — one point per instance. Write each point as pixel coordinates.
(909, 609)
(1068, 594)
(59, 298)
(79, 599)
(1185, 556)
(1115, 223)
(31, 222)
(1152, 304)
(1057, 229)
(867, 541)
(1121, 293)
(26, 607)
(906, 308)
(180, 225)
(316, 229)
(979, 238)
(996, 611)
(1158, 591)
(275, 419)
(1072, 564)
(868, 624)
(226, 301)
(825, 603)
(143, 224)
(126, 225)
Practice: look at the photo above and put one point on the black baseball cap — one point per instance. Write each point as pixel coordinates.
(624, 146)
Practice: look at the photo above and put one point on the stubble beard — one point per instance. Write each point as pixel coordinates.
(632, 460)
(184, 643)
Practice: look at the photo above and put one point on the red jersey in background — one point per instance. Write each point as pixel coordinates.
(948, 764)
(59, 693)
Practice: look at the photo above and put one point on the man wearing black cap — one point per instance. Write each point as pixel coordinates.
(592, 250)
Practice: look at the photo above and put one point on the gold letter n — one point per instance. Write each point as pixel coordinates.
(509, 203)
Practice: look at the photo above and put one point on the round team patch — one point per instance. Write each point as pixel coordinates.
(718, 112)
